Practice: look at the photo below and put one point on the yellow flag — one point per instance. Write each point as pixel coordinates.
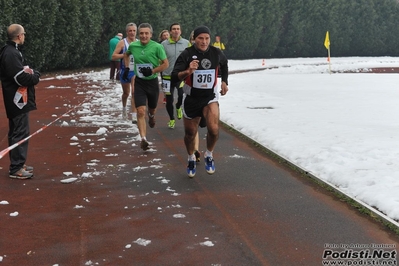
(327, 41)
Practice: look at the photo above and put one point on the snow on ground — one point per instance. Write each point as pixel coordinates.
(341, 127)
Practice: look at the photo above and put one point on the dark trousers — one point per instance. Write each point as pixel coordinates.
(18, 130)
(115, 67)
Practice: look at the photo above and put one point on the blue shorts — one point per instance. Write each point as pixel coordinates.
(130, 76)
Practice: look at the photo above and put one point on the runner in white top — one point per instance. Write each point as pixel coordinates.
(127, 85)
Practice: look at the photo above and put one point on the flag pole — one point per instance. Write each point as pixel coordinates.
(329, 60)
(327, 45)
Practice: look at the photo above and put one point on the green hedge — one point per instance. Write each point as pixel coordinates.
(71, 34)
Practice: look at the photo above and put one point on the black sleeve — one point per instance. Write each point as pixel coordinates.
(223, 66)
(27, 79)
(181, 64)
(15, 69)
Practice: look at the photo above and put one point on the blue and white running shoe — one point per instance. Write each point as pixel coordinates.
(209, 165)
(191, 168)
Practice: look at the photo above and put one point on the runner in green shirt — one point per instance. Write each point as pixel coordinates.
(149, 59)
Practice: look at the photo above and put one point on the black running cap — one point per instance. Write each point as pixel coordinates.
(201, 29)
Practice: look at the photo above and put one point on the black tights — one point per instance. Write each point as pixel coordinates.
(170, 100)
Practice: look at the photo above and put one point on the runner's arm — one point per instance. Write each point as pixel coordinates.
(223, 67)
(164, 65)
(126, 59)
(117, 52)
(183, 67)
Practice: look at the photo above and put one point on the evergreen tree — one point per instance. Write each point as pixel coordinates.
(73, 34)
(240, 27)
(270, 14)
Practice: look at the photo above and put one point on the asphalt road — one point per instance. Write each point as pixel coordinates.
(130, 207)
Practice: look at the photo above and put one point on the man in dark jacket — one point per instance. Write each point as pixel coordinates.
(198, 66)
(18, 82)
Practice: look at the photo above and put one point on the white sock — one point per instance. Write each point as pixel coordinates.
(191, 157)
(208, 154)
(134, 115)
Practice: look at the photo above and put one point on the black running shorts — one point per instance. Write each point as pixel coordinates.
(146, 90)
(193, 106)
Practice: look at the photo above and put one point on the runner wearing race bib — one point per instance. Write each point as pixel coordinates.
(174, 45)
(198, 66)
(149, 59)
(128, 83)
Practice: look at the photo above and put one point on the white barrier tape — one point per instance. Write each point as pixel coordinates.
(7, 150)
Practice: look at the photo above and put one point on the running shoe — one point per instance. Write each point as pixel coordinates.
(171, 124)
(191, 168)
(209, 165)
(197, 156)
(21, 174)
(144, 145)
(151, 120)
(134, 118)
(179, 112)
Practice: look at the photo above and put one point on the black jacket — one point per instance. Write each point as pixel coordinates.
(212, 58)
(13, 76)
